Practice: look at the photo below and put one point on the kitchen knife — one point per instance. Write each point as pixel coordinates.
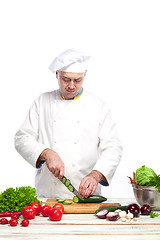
(70, 187)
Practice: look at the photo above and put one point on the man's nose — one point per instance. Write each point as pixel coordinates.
(71, 85)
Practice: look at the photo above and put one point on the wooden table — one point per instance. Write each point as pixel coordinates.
(85, 226)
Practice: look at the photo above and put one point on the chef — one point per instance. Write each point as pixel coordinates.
(70, 132)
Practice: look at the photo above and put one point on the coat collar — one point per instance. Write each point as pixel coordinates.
(76, 97)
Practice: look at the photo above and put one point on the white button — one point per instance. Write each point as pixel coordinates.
(54, 120)
(75, 142)
(55, 142)
(73, 164)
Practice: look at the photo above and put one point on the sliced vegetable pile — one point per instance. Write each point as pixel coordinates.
(15, 199)
(145, 176)
(125, 213)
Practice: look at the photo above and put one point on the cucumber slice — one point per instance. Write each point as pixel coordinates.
(59, 200)
(75, 199)
(67, 183)
(67, 202)
(71, 188)
(64, 179)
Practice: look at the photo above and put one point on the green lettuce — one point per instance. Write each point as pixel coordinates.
(145, 176)
(15, 199)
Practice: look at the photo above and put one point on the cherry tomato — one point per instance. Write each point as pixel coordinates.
(45, 210)
(59, 206)
(55, 214)
(13, 222)
(15, 216)
(25, 222)
(37, 206)
(3, 221)
(28, 212)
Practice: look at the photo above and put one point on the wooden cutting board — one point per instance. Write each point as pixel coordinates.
(82, 207)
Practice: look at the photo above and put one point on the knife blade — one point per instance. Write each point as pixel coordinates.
(70, 187)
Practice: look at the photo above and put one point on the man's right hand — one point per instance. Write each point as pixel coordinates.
(54, 162)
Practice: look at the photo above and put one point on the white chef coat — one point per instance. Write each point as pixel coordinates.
(81, 131)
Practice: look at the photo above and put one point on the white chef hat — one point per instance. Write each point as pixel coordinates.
(72, 60)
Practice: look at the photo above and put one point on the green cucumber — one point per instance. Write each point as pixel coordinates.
(90, 199)
(64, 179)
(59, 200)
(112, 209)
(67, 183)
(63, 201)
(71, 188)
(66, 202)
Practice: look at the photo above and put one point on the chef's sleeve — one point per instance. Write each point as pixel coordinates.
(26, 139)
(110, 146)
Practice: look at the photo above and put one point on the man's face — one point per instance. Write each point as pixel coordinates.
(70, 83)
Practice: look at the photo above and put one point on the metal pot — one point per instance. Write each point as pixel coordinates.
(147, 195)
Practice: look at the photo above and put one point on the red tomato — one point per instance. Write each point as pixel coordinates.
(3, 221)
(15, 216)
(28, 212)
(55, 214)
(45, 210)
(59, 206)
(25, 222)
(13, 222)
(37, 206)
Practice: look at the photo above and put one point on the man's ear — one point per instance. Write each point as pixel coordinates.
(57, 74)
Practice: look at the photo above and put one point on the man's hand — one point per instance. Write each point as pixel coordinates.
(53, 161)
(89, 183)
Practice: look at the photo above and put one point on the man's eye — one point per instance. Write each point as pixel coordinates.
(78, 80)
(66, 80)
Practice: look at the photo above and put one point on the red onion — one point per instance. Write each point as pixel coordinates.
(102, 214)
(134, 209)
(146, 209)
(112, 216)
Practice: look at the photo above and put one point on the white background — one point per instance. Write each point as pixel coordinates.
(123, 38)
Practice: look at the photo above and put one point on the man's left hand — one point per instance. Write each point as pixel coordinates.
(89, 183)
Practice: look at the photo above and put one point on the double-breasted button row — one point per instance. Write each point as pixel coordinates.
(54, 121)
